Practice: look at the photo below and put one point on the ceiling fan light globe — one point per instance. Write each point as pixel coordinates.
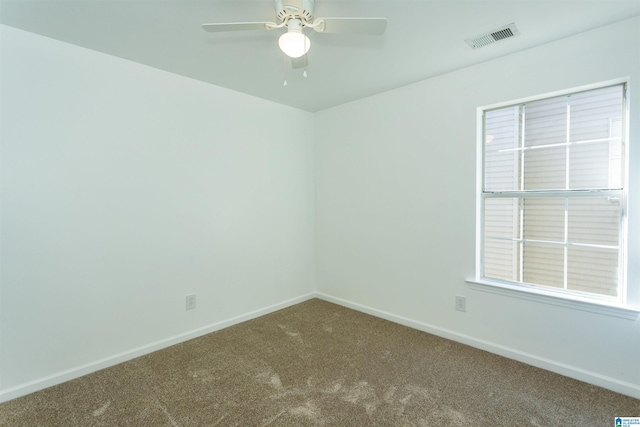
(294, 44)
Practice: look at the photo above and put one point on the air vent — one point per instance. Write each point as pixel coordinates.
(496, 35)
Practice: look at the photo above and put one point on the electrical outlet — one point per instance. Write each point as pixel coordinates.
(461, 303)
(191, 301)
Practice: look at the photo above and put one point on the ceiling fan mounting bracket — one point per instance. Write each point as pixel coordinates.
(294, 9)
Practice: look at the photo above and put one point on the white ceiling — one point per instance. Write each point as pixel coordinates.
(424, 38)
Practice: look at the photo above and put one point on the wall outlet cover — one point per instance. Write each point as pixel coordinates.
(191, 301)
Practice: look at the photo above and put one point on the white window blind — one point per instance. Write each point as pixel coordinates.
(553, 200)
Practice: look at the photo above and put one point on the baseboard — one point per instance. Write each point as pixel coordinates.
(579, 374)
(613, 384)
(70, 374)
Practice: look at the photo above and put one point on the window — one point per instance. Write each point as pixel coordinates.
(552, 200)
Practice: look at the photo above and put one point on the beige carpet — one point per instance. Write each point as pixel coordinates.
(318, 364)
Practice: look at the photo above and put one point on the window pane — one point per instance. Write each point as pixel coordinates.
(500, 156)
(592, 113)
(500, 259)
(594, 221)
(545, 168)
(589, 166)
(543, 264)
(593, 270)
(544, 218)
(596, 128)
(501, 218)
(546, 122)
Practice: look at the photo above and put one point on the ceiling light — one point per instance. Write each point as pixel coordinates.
(294, 43)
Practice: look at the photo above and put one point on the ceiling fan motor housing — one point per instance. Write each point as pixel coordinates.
(294, 9)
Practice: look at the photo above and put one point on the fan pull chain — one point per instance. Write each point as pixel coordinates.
(284, 70)
(304, 73)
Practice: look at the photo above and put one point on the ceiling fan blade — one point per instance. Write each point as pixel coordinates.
(350, 25)
(300, 62)
(238, 26)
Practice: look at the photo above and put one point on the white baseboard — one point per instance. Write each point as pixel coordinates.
(613, 384)
(579, 374)
(79, 371)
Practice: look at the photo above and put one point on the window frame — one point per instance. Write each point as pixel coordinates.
(619, 306)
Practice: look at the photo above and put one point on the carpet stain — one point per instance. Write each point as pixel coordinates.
(270, 378)
(455, 417)
(309, 410)
(326, 324)
(422, 392)
(359, 391)
(364, 394)
(275, 381)
(292, 333)
(273, 419)
(101, 410)
(171, 420)
(204, 376)
(335, 387)
(389, 393)
(405, 400)
(219, 420)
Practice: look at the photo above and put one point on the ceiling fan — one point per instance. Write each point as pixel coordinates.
(295, 16)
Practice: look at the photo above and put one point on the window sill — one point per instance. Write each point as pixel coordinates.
(541, 296)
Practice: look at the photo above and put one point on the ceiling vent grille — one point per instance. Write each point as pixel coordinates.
(496, 35)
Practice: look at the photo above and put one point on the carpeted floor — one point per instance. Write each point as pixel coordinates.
(318, 364)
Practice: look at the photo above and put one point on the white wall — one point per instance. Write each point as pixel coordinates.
(125, 188)
(395, 186)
